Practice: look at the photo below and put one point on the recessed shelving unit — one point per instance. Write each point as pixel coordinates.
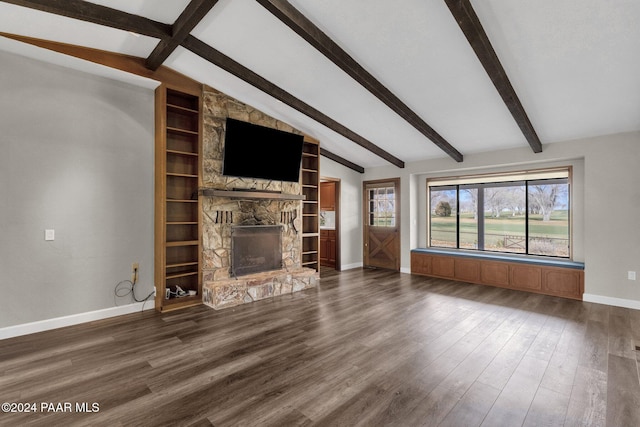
(178, 165)
(310, 181)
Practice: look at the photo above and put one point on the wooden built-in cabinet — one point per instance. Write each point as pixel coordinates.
(567, 282)
(177, 204)
(310, 181)
(327, 196)
(328, 248)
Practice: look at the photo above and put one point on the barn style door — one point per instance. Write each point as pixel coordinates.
(381, 226)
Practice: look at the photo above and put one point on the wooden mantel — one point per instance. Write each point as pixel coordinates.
(250, 194)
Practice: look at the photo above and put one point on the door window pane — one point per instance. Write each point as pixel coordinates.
(382, 207)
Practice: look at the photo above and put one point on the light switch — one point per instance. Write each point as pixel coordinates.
(631, 275)
(49, 234)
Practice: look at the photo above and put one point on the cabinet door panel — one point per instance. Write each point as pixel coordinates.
(420, 263)
(494, 273)
(324, 250)
(332, 250)
(444, 267)
(526, 277)
(467, 270)
(562, 283)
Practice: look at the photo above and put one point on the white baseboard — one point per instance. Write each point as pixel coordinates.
(350, 266)
(74, 319)
(617, 302)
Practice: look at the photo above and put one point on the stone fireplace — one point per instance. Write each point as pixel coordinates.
(226, 217)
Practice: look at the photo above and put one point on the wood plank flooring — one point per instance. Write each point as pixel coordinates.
(367, 347)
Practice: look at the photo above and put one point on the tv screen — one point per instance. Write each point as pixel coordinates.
(253, 151)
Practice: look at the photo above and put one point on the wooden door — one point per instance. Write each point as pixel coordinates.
(381, 224)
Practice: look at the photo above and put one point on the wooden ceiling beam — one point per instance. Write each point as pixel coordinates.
(341, 160)
(217, 58)
(188, 19)
(98, 14)
(101, 15)
(302, 26)
(470, 25)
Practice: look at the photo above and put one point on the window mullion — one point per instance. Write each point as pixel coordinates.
(458, 216)
(526, 217)
(481, 217)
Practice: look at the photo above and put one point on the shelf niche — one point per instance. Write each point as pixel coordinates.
(177, 224)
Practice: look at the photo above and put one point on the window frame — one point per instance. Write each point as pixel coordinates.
(502, 180)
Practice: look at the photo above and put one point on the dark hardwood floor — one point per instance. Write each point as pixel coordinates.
(367, 347)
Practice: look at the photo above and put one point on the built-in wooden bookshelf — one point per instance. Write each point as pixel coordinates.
(178, 166)
(310, 180)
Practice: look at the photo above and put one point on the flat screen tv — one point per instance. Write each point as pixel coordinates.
(253, 151)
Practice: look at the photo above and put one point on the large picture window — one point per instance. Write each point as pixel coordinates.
(523, 213)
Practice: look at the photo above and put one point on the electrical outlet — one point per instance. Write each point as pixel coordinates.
(135, 268)
(631, 275)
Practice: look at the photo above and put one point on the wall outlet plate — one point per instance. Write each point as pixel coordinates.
(49, 235)
(135, 270)
(631, 275)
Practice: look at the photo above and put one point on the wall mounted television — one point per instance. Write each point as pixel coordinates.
(253, 151)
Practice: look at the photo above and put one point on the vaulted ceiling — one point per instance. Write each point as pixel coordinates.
(381, 82)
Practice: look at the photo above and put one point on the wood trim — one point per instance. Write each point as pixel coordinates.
(310, 139)
(217, 58)
(160, 191)
(127, 63)
(470, 25)
(302, 26)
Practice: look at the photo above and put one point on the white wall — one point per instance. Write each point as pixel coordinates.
(350, 211)
(606, 204)
(77, 157)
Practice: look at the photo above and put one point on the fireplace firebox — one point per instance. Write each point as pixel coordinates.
(255, 248)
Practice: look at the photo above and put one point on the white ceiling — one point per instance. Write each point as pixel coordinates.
(573, 63)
